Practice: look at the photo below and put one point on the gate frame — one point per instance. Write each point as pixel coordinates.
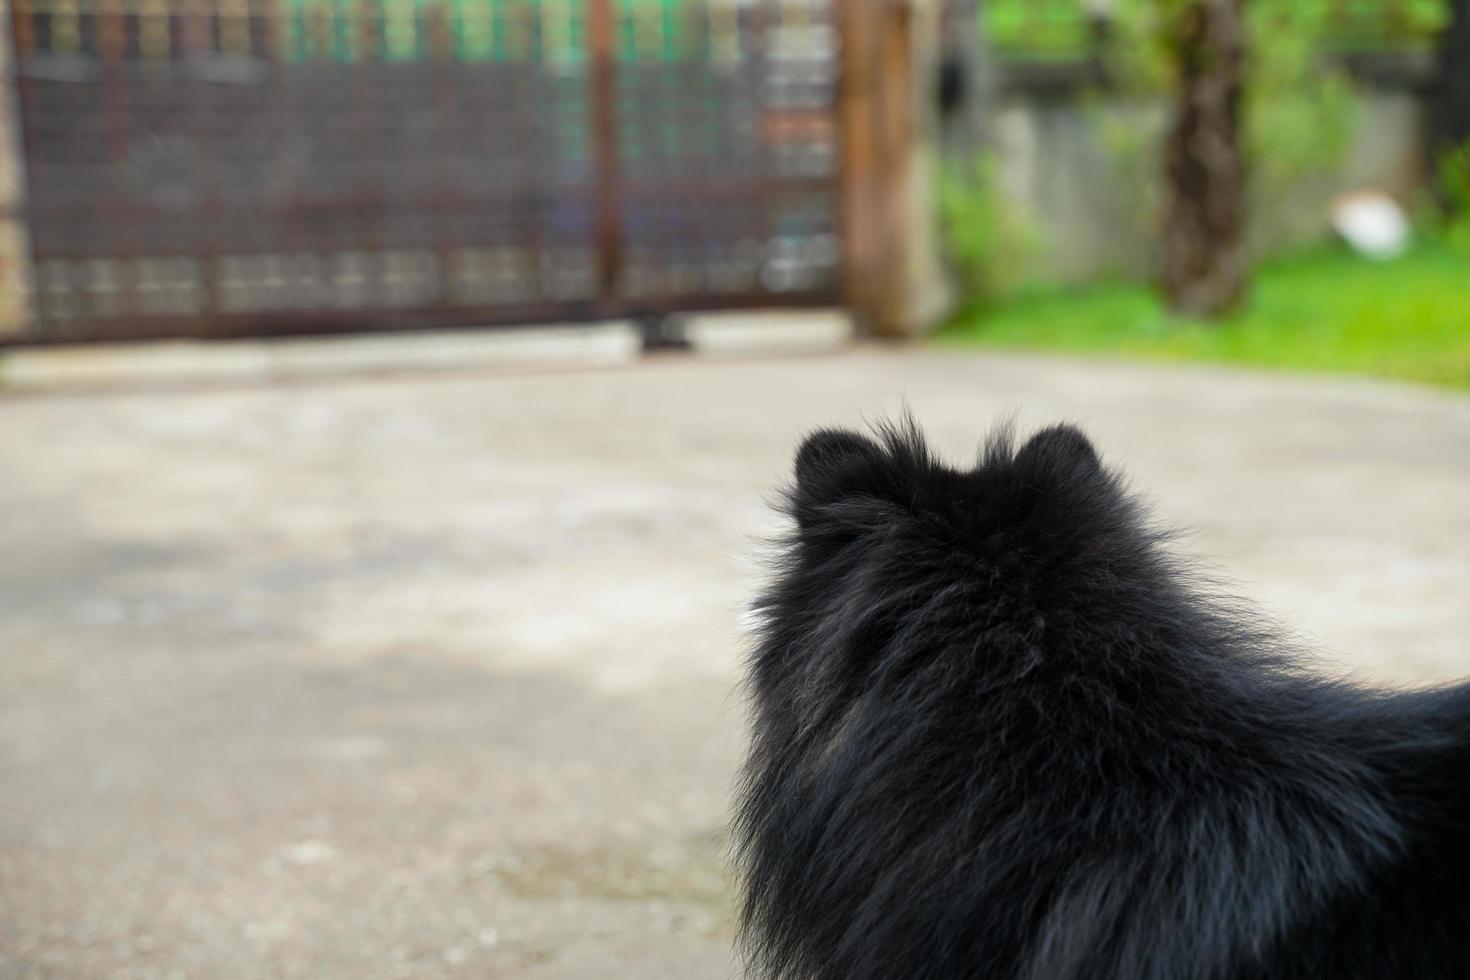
(876, 112)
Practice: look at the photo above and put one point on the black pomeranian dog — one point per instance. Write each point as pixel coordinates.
(999, 733)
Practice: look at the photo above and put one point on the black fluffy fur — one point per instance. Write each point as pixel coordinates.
(1000, 733)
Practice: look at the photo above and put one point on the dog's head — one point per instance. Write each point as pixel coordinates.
(890, 497)
(895, 557)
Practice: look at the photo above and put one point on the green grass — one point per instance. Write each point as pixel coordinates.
(1324, 310)
(1059, 29)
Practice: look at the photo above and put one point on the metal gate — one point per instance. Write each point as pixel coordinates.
(252, 167)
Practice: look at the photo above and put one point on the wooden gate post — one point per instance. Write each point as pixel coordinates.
(893, 278)
(15, 241)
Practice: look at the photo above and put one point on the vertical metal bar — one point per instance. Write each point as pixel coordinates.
(894, 139)
(856, 165)
(760, 78)
(204, 121)
(17, 259)
(117, 99)
(604, 128)
(533, 212)
(373, 76)
(448, 205)
(285, 208)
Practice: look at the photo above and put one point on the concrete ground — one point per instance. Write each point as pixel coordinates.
(435, 676)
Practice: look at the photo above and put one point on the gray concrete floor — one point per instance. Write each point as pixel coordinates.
(434, 676)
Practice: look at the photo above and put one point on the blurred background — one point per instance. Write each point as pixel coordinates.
(392, 393)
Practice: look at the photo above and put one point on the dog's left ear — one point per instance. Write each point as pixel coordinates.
(833, 464)
(827, 453)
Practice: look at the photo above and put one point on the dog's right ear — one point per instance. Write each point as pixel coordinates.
(833, 464)
(1059, 452)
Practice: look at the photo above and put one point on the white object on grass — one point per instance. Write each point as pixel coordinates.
(1372, 223)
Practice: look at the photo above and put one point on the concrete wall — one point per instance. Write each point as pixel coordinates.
(1079, 167)
(929, 293)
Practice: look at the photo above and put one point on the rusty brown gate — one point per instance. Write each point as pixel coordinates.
(257, 167)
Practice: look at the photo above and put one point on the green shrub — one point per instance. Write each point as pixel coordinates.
(992, 246)
(1454, 188)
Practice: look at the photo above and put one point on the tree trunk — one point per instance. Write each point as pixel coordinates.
(1204, 168)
